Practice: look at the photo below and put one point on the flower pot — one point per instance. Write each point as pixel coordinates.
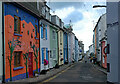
(36, 75)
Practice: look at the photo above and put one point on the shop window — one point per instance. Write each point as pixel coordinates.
(17, 59)
(17, 24)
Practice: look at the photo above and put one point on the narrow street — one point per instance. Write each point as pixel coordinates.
(79, 72)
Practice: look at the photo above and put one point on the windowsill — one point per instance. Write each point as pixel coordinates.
(44, 39)
(36, 38)
(17, 34)
(18, 68)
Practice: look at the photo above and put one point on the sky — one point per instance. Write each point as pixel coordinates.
(82, 15)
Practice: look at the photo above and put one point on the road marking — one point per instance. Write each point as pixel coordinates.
(56, 75)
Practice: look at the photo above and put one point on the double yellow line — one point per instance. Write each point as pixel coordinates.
(56, 75)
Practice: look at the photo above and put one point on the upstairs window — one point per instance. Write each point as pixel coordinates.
(17, 24)
(17, 59)
(44, 31)
(53, 34)
(60, 37)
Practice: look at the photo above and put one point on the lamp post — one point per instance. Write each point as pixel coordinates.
(96, 6)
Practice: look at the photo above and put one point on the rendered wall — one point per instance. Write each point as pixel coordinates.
(112, 39)
(29, 22)
(1, 61)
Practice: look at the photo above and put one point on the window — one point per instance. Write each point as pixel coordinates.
(36, 32)
(17, 59)
(44, 31)
(44, 53)
(50, 54)
(43, 10)
(53, 34)
(17, 24)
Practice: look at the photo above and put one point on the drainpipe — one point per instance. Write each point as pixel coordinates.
(3, 43)
(67, 46)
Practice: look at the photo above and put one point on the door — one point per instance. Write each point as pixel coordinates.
(30, 64)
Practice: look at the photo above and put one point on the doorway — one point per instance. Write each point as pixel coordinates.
(30, 64)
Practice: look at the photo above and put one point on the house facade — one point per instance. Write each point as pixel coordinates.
(1, 44)
(21, 42)
(65, 46)
(44, 44)
(76, 49)
(73, 46)
(69, 48)
(60, 47)
(113, 40)
(53, 46)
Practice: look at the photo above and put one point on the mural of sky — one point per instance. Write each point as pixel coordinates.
(83, 16)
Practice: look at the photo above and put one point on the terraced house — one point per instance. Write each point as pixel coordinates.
(32, 40)
(53, 46)
(21, 30)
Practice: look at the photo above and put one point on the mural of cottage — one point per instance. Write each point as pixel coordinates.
(21, 42)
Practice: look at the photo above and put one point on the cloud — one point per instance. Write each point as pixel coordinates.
(63, 13)
(82, 15)
(75, 16)
(61, 5)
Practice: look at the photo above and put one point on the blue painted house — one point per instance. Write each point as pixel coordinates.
(65, 47)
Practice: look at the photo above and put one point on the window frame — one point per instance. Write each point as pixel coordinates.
(17, 24)
(44, 32)
(16, 64)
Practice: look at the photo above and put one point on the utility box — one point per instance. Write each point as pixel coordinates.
(113, 40)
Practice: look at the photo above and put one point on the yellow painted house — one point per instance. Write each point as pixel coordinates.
(60, 47)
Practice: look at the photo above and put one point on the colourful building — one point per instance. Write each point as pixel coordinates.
(73, 46)
(65, 46)
(76, 49)
(60, 47)
(53, 46)
(44, 44)
(21, 42)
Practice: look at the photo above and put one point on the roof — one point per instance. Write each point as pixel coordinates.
(98, 21)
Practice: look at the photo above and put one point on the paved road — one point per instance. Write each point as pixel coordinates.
(80, 72)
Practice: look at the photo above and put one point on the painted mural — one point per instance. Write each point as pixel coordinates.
(23, 26)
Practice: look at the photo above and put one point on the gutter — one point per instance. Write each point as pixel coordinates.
(3, 40)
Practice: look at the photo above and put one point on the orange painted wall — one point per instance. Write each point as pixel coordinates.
(25, 44)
